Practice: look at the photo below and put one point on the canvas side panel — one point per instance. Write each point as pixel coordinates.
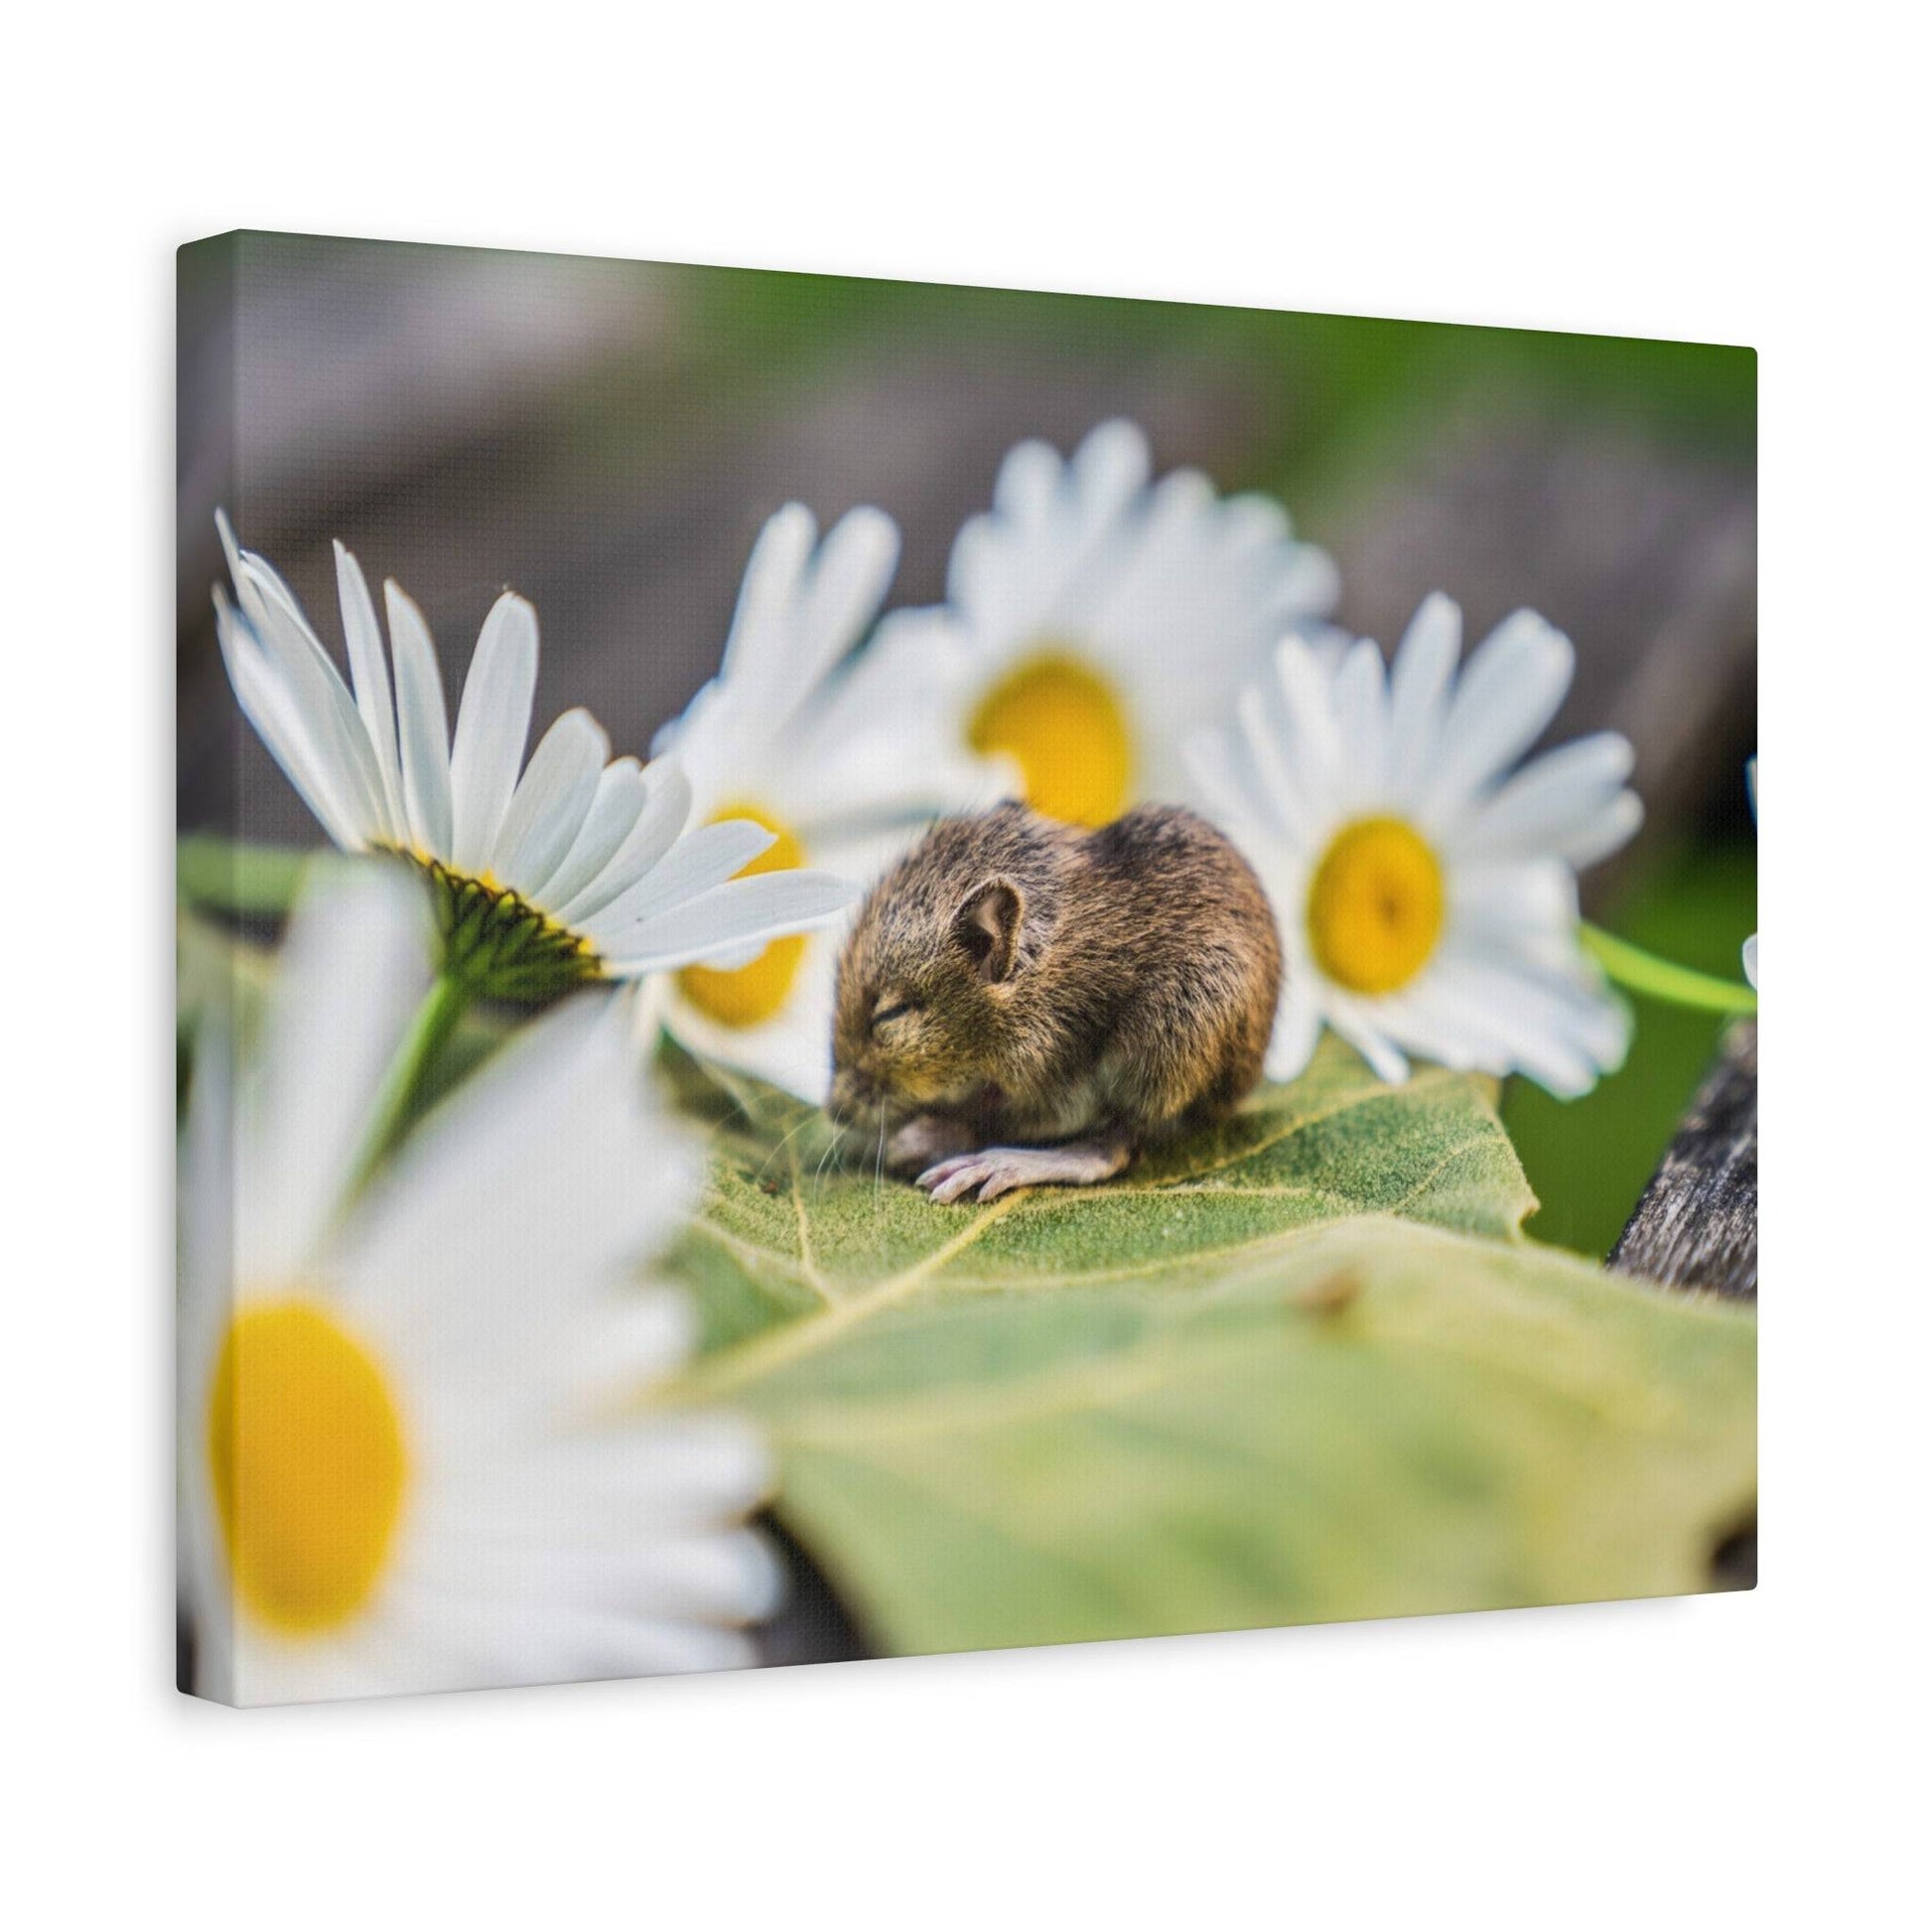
(208, 743)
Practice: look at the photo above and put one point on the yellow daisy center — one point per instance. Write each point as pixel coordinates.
(306, 1456)
(1375, 909)
(749, 995)
(1068, 730)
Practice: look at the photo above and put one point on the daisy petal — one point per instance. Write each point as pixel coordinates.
(1260, 741)
(1561, 1033)
(758, 631)
(800, 615)
(518, 1182)
(848, 582)
(1109, 470)
(705, 1579)
(550, 802)
(354, 967)
(1509, 692)
(1313, 745)
(707, 858)
(1297, 1025)
(679, 1471)
(767, 905)
(334, 724)
(1029, 482)
(661, 817)
(491, 726)
(1360, 698)
(1612, 828)
(625, 1350)
(615, 809)
(423, 728)
(661, 1646)
(369, 667)
(1350, 1018)
(1419, 683)
(1216, 768)
(1555, 798)
(284, 727)
(1511, 902)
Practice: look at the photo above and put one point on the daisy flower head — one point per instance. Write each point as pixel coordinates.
(1422, 874)
(842, 759)
(412, 1449)
(574, 867)
(1094, 618)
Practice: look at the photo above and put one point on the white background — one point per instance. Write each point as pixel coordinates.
(1670, 171)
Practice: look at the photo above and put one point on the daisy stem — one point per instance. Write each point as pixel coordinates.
(435, 1019)
(1663, 979)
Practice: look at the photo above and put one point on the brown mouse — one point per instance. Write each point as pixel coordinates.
(1024, 1001)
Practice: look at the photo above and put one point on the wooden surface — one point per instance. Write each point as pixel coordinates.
(1696, 1226)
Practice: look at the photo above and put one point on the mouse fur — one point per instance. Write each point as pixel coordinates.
(1015, 986)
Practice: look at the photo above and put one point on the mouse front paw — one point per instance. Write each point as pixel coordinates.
(997, 1171)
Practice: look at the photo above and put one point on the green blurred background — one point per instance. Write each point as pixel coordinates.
(608, 436)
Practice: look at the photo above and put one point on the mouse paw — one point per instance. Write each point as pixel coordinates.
(997, 1171)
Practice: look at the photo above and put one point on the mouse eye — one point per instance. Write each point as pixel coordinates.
(896, 1010)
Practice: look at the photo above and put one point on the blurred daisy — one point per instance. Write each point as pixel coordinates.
(575, 871)
(1094, 619)
(841, 760)
(1424, 881)
(411, 1451)
(1751, 944)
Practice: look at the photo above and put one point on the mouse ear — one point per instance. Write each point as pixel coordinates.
(987, 928)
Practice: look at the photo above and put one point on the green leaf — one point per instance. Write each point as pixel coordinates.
(792, 1225)
(1365, 1418)
(232, 876)
(1301, 1368)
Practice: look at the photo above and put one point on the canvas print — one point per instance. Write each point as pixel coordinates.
(870, 968)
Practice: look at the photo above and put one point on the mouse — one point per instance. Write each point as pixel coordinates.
(1024, 1003)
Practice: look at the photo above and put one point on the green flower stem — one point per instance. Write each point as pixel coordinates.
(1663, 979)
(435, 1019)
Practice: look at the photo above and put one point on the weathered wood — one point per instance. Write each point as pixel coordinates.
(1696, 1223)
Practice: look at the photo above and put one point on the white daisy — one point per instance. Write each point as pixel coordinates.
(843, 760)
(411, 1450)
(1095, 619)
(575, 871)
(1424, 882)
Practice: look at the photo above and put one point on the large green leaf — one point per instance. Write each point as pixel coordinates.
(1366, 1418)
(794, 1225)
(1301, 1368)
